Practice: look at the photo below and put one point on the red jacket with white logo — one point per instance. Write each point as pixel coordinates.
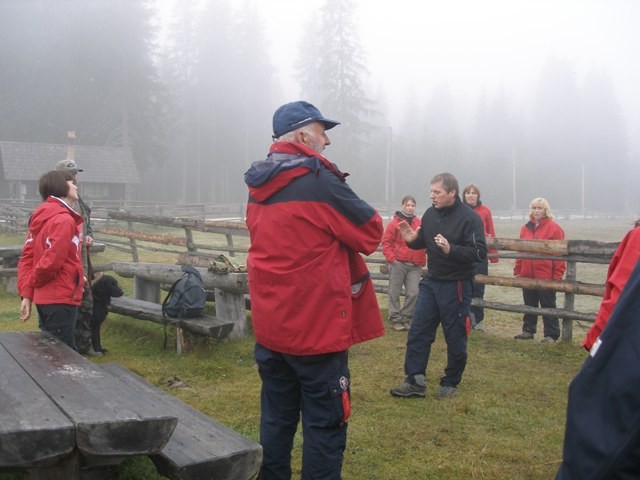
(50, 269)
(542, 269)
(394, 248)
(311, 292)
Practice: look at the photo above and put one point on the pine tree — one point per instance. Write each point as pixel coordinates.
(331, 72)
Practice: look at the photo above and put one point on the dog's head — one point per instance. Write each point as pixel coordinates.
(105, 288)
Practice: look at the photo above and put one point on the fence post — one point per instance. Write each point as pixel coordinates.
(134, 247)
(189, 234)
(569, 303)
(232, 253)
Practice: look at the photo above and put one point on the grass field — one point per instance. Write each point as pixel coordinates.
(507, 422)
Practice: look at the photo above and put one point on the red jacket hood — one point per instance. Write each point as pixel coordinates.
(286, 162)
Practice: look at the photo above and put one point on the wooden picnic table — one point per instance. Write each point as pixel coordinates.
(62, 415)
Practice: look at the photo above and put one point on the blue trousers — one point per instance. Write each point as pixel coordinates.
(316, 386)
(446, 304)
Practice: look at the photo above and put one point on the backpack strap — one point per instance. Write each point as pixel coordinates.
(193, 270)
(164, 313)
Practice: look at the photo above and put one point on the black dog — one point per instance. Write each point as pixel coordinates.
(103, 289)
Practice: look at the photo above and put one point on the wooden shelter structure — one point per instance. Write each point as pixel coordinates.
(108, 172)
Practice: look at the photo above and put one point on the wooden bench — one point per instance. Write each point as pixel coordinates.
(200, 447)
(230, 289)
(62, 415)
(202, 325)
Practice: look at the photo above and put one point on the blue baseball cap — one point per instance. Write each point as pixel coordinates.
(294, 115)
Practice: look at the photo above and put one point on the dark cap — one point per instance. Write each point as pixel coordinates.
(294, 115)
(68, 165)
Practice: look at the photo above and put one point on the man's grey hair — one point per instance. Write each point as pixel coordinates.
(291, 136)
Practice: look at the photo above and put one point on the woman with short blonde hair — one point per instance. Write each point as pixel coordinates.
(540, 202)
(540, 227)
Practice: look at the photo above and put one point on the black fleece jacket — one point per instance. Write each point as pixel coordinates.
(462, 227)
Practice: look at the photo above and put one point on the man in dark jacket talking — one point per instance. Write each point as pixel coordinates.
(453, 235)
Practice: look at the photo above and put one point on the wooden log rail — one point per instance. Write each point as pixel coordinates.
(536, 284)
(554, 247)
(145, 236)
(222, 227)
(211, 226)
(10, 255)
(236, 283)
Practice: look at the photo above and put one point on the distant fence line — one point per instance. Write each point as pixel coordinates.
(119, 230)
(14, 214)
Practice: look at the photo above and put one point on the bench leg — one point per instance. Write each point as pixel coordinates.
(231, 307)
(179, 340)
(67, 469)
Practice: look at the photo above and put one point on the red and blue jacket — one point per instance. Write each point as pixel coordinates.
(311, 292)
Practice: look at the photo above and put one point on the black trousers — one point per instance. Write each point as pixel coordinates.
(59, 319)
(544, 299)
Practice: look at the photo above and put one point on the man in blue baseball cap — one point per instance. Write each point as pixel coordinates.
(311, 293)
(295, 115)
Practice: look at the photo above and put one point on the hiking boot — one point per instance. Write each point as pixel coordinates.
(478, 327)
(91, 353)
(399, 327)
(447, 392)
(524, 336)
(409, 390)
(548, 340)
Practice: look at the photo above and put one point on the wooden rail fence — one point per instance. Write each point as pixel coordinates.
(131, 228)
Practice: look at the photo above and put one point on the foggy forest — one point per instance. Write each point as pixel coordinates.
(191, 88)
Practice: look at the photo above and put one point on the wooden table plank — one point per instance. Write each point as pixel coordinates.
(111, 418)
(200, 447)
(33, 429)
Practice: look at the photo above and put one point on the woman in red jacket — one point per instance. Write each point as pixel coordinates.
(471, 197)
(50, 272)
(405, 266)
(540, 226)
(624, 260)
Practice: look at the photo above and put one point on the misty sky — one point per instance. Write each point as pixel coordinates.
(472, 46)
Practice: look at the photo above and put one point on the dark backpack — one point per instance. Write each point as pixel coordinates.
(187, 297)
